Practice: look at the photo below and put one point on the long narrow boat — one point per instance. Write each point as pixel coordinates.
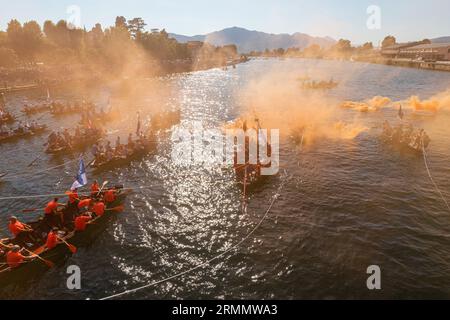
(22, 135)
(138, 153)
(35, 266)
(82, 143)
(30, 110)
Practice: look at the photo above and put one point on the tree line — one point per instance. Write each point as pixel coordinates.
(341, 49)
(61, 43)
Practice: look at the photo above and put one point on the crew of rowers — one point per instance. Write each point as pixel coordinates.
(59, 219)
(106, 152)
(405, 134)
(76, 107)
(21, 128)
(90, 115)
(64, 138)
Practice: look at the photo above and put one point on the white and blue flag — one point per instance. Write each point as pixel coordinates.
(81, 178)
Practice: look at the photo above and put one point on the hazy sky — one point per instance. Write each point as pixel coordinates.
(406, 19)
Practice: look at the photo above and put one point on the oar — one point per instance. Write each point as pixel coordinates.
(30, 210)
(117, 209)
(32, 162)
(71, 247)
(47, 262)
(103, 185)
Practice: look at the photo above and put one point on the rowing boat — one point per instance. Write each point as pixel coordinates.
(35, 266)
(36, 109)
(24, 134)
(80, 144)
(138, 153)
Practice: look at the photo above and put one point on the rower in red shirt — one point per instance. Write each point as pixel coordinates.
(21, 231)
(81, 221)
(85, 203)
(52, 206)
(73, 196)
(14, 258)
(99, 208)
(52, 216)
(110, 196)
(52, 238)
(16, 227)
(95, 188)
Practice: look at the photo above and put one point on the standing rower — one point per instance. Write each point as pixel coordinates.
(95, 188)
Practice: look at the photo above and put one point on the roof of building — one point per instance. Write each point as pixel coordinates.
(429, 46)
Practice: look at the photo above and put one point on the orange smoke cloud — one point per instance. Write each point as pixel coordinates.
(370, 105)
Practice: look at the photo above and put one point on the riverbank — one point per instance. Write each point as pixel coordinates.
(407, 63)
(38, 76)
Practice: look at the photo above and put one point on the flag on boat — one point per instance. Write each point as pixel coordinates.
(138, 129)
(81, 178)
(400, 113)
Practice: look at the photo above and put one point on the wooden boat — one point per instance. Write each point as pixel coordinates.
(138, 153)
(100, 117)
(29, 110)
(324, 85)
(24, 134)
(79, 145)
(66, 110)
(86, 138)
(32, 267)
(249, 174)
(403, 146)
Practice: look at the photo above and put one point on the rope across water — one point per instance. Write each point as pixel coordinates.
(425, 159)
(256, 227)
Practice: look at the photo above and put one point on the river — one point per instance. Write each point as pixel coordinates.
(342, 205)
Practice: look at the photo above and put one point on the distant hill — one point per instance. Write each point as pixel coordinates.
(441, 40)
(247, 40)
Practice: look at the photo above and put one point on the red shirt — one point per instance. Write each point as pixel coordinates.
(110, 196)
(80, 222)
(84, 203)
(14, 259)
(99, 208)
(16, 228)
(52, 240)
(73, 196)
(51, 207)
(95, 188)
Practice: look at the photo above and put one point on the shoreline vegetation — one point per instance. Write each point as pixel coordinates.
(32, 56)
(343, 50)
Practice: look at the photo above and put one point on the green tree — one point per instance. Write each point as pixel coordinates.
(136, 27)
(32, 39)
(121, 22)
(388, 41)
(367, 46)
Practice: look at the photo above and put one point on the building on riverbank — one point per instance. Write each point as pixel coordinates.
(392, 52)
(427, 52)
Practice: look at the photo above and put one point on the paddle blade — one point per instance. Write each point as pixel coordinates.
(48, 263)
(72, 248)
(118, 208)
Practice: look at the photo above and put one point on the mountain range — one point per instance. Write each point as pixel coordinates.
(441, 40)
(247, 40)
